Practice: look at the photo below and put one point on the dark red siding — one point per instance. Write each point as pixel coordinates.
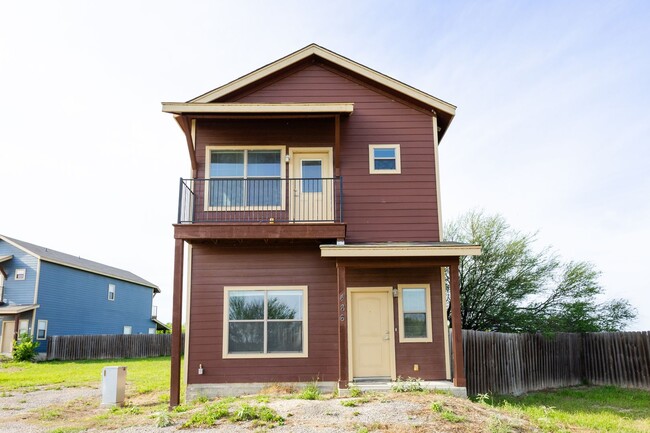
(429, 356)
(214, 267)
(377, 207)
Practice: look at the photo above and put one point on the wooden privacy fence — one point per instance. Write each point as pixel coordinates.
(517, 363)
(73, 347)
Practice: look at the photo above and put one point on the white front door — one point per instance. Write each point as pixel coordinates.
(8, 329)
(312, 187)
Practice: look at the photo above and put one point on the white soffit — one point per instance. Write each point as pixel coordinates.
(235, 108)
(400, 250)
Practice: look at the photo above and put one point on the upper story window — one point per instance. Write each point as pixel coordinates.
(111, 292)
(414, 301)
(385, 159)
(265, 322)
(20, 274)
(246, 178)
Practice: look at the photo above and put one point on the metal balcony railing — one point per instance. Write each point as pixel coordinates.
(260, 200)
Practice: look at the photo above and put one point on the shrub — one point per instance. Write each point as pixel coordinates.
(24, 348)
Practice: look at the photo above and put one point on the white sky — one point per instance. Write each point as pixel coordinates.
(551, 130)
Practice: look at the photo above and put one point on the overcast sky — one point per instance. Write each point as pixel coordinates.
(551, 129)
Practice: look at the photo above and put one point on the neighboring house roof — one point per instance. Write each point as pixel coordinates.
(52, 256)
(203, 101)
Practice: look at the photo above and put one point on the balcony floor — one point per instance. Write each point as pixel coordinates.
(199, 231)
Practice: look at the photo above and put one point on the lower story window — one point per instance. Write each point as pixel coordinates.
(265, 321)
(128, 329)
(414, 313)
(41, 330)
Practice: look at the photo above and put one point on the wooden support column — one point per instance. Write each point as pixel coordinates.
(343, 327)
(16, 325)
(177, 309)
(337, 145)
(457, 327)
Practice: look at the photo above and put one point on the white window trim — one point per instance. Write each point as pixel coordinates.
(305, 321)
(21, 323)
(38, 327)
(130, 330)
(371, 159)
(20, 274)
(206, 190)
(150, 331)
(111, 286)
(427, 294)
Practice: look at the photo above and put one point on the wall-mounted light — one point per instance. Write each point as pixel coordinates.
(395, 292)
(200, 368)
(287, 157)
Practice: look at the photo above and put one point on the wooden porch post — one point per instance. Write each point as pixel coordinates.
(16, 325)
(343, 327)
(457, 327)
(177, 309)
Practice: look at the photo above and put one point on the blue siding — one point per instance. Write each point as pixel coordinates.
(18, 292)
(76, 302)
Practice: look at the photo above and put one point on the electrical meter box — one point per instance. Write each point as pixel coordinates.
(113, 386)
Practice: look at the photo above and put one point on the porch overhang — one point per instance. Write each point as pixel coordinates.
(407, 249)
(203, 231)
(10, 310)
(243, 108)
(5, 258)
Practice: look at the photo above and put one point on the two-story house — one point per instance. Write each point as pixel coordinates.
(313, 230)
(44, 292)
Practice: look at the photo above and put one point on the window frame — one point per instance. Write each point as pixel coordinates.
(130, 330)
(20, 272)
(111, 286)
(20, 325)
(305, 322)
(151, 331)
(371, 159)
(208, 176)
(38, 329)
(400, 307)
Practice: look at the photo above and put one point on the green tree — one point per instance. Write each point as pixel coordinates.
(512, 287)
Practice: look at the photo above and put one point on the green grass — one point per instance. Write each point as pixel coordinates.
(597, 409)
(145, 375)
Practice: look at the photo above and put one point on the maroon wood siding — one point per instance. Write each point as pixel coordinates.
(214, 267)
(429, 356)
(377, 207)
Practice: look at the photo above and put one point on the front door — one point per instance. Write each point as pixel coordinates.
(8, 329)
(371, 334)
(312, 187)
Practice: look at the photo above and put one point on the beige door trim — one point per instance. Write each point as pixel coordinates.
(391, 324)
(329, 169)
(4, 335)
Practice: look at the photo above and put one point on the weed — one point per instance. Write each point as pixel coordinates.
(356, 413)
(448, 415)
(262, 399)
(209, 415)
(410, 384)
(482, 398)
(164, 419)
(350, 403)
(355, 392)
(22, 401)
(200, 399)
(49, 415)
(436, 406)
(362, 429)
(67, 430)
(181, 408)
(310, 392)
(498, 425)
(126, 410)
(265, 414)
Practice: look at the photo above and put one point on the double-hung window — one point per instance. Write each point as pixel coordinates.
(414, 302)
(111, 292)
(41, 330)
(245, 178)
(265, 322)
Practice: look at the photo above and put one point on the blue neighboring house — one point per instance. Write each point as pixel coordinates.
(45, 292)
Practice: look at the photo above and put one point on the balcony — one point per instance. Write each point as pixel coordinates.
(260, 208)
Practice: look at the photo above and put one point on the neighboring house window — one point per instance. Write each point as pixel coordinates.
(414, 302)
(23, 327)
(111, 292)
(128, 329)
(41, 330)
(245, 178)
(265, 322)
(152, 330)
(385, 159)
(20, 274)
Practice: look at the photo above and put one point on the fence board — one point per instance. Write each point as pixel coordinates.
(501, 363)
(75, 347)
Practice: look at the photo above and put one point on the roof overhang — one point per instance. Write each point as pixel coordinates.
(239, 108)
(160, 326)
(430, 249)
(16, 309)
(5, 258)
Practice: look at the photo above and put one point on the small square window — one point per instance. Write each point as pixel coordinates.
(20, 274)
(128, 330)
(385, 159)
(152, 330)
(41, 330)
(111, 292)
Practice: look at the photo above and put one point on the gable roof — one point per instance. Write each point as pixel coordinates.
(59, 258)
(206, 102)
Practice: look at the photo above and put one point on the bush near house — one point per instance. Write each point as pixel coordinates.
(24, 348)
